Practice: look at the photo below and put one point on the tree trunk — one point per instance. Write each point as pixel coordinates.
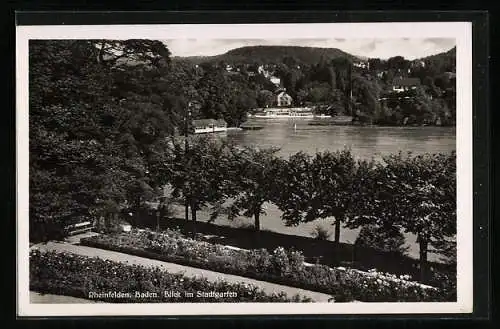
(193, 218)
(423, 246)
(186, 209)
(193, 212)
(257, 220)
(337, 230)
(337, 238)
(137, 211)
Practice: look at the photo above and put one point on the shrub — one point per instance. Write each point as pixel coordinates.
(279, 262)
(259, 259)
(73, 275)
(281, 266)
(320, 233)
(387, 239)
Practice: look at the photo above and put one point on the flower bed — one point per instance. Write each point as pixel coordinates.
(281, 266)
(93, 278)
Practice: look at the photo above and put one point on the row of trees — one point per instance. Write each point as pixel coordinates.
(414, 194)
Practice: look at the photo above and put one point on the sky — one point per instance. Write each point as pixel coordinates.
(409, 48)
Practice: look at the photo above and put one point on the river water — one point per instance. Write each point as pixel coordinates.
(294, 135)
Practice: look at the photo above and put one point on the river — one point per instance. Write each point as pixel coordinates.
(294, 135)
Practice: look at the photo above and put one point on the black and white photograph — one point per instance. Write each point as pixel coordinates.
(249, 169)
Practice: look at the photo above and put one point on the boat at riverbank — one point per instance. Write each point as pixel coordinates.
(287, 113)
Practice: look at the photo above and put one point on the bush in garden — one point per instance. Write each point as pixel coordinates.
(69, 274)
(387, 239)
(258, 259)
(285, 267)
(296, 260)
(280, 263)
(321, 233)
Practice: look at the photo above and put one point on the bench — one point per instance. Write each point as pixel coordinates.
(79, 228)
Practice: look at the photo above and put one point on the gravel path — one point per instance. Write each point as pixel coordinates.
(38, 298)
(175, 268)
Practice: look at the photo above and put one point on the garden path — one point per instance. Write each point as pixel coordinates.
(175, 268)
(38, 298)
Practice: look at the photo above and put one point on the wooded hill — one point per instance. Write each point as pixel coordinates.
(272, 55)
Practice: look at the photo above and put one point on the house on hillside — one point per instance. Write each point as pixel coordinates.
(264, 70)
(283, 99)
(418, 63)
(204, 126)
(275, 80)
(404, 84)
(362, 65)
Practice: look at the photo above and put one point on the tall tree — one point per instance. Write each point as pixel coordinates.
(256, 171)
(323, 186)
(82, 152)
(415, 193)
(200, 173)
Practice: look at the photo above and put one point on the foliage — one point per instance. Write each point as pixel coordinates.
(387, 239)
(447, 249)
(415, 193)
(321, 233)
(323, 186)
(78, 276)
(99, 113)
(281, 266)
(252, 184)
(202, 172)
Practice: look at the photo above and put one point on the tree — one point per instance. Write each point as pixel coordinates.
(398, 63)
(382, 238)
(265, 98)
(84, 146)
(326, 185)
(415, 193)
(255, 181)
(200, 175)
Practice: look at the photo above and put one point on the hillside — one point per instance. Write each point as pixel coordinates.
(450, 53)
(272, 54)
(446, 60)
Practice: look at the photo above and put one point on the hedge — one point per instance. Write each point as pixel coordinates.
(281, 266)
(94, 278)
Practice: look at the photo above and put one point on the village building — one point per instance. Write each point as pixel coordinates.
(264, 70)
(418, 63)
(203, 126)
(405, 84)
(283, 99)
(362, 65)
(275, 80)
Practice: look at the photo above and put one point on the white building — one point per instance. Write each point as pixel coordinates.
(283, 99)
(405, 84)
(275, 80)
(204, 126)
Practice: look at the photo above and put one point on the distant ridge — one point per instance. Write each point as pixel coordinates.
(447, 54)
(272, 54)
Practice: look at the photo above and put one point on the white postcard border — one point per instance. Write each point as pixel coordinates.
(461, 31)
